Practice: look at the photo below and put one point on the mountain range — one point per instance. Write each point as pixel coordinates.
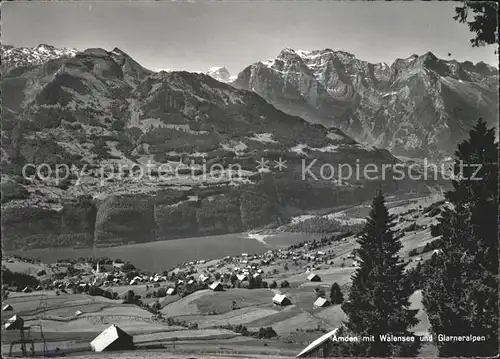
(107, 117)
(421, 106)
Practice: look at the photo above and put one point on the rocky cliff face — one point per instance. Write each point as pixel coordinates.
(418, 106)
(131, 155)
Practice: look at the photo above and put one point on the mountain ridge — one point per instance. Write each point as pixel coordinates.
(406, 107)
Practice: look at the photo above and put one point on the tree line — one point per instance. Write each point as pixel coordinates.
(459, 285)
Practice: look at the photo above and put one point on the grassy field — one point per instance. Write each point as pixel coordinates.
(206, 301)
(165, 355)
(240, 316)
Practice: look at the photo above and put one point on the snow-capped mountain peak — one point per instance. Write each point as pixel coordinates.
(220, 73)
(36, 55)
(406, 107)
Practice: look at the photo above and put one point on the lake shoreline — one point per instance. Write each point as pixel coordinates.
(161, 255)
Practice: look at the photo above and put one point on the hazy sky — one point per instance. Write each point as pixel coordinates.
(197, 35)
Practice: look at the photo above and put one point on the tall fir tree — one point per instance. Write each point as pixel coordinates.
(378, 302)
(336, 296)
(461, 294)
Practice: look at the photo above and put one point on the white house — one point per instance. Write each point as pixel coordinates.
(171, 291)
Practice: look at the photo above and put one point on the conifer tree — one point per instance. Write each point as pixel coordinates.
(378, 302)
(461, 294)
(336, 296)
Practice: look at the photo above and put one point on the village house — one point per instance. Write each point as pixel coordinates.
(281, 299)
(203, 278)
(321, 303)
(118, 265)
(216, 286)
(242, 277)
(171, 291)
(312, 277)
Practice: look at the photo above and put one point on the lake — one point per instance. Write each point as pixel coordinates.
(162, 255)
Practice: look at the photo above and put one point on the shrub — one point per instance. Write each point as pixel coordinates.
(285, 284)
(267, 333)
(320, 292)
(162, 292)
(117, 125)
(18, 279)
(128, 267)
(96, 291)
(413, 252)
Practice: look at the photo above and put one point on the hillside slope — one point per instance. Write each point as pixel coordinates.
(148, 155)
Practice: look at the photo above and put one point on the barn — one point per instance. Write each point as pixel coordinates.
(7, 308)
(112, 338)
(319, 348)
(216, 286)
(313, 278)
(321, 303)
(14, 323)
(281, 299)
